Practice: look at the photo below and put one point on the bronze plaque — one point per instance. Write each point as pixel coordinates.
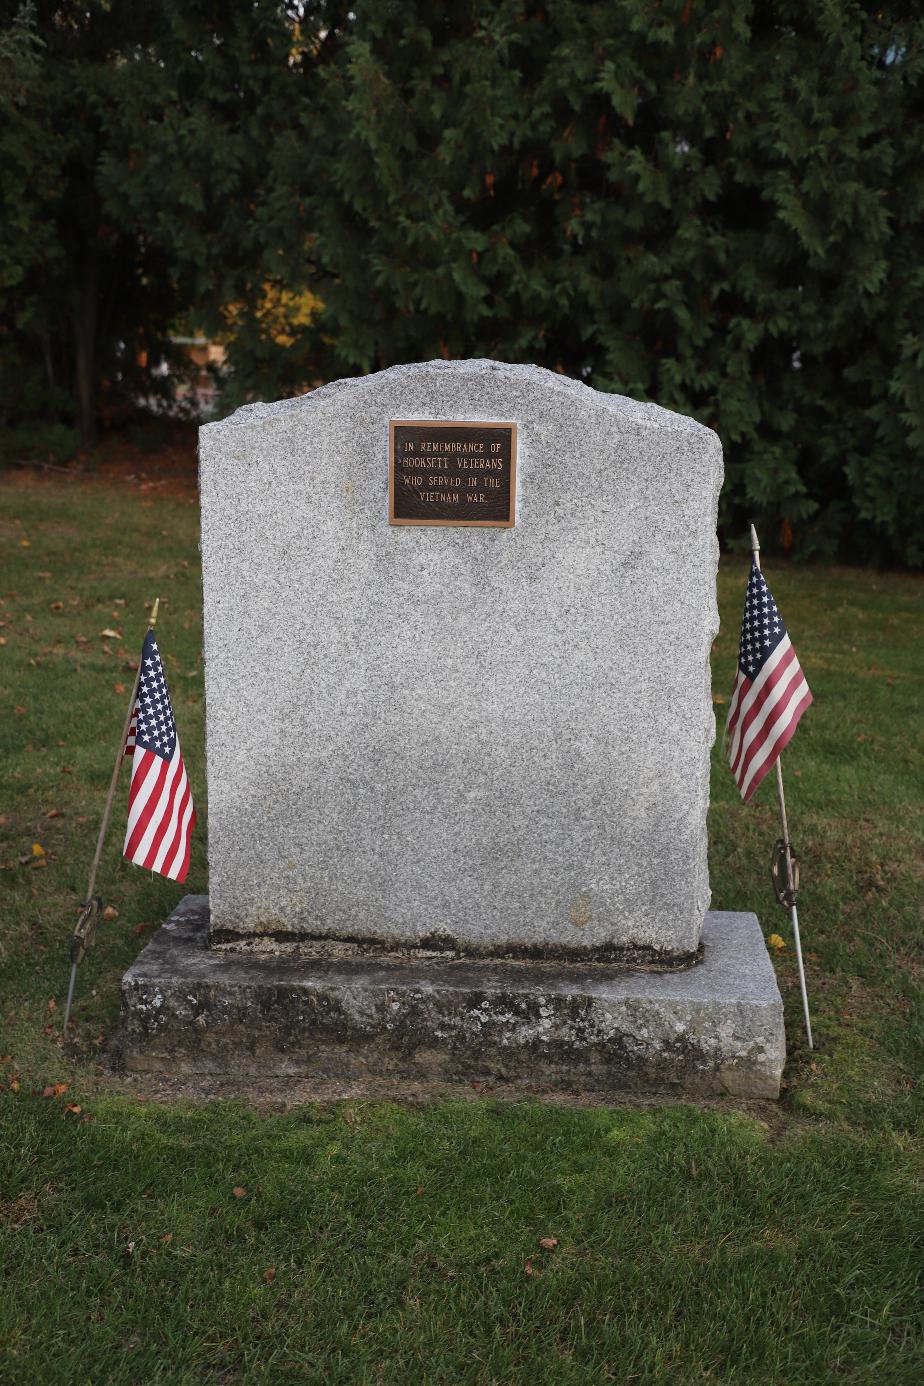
(452, 473)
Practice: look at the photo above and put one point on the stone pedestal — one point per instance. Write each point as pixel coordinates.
(715, 1027)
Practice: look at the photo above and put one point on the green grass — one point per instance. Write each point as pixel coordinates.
(769, 1244)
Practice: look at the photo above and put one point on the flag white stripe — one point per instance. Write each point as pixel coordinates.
(776, 694)
(180, 852)
(753, 694)
(144, 791)
(736, 695)
(781, 721)
(150, 832)
(167, 838)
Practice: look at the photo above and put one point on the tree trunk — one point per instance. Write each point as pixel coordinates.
(85, 314)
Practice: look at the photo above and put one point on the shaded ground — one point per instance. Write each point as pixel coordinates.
(152, 455)
(147, 1238)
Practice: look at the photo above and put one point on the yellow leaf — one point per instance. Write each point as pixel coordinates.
(776, 942)
(37, 849)
(25, 544)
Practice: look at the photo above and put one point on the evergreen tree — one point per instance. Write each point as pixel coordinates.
(717, 207)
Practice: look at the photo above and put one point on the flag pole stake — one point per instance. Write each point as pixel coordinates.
(89, 914)
(787, 851)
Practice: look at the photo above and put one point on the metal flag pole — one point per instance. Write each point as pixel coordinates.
(90, 911)
(786, 893)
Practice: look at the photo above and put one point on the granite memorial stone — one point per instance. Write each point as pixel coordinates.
(488, 740)
(458, 618)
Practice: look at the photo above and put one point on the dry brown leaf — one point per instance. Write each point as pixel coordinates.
(140, 928)
(74, 1107)
(56, 606)
(14, 1085)
(167, 1237)
(110, 913)
(54, 813)
(52, 1005)
(239, 1192)
(528, 1268)
(59, 1089)
(119, 687)
(49, 1091)
(109, 634)
(548, 1243)
(269, 1275)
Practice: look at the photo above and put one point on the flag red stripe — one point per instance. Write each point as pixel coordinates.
(773, 693)
(178, 864)
(763, 689)
(781, 743)
(174, 837)
(144, 809)
(184, 865)
(738, 694)
(782, 711)
(144, 770)
(755, 685)
(164, 812)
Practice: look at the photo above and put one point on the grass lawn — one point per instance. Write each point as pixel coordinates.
(144, 1242)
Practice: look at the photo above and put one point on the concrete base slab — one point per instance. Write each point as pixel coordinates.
(716, 1027)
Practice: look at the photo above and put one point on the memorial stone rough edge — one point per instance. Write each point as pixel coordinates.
(494, 741)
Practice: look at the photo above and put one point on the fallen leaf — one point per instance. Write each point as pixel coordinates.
(110, 913)
(140, 928)
(167, 1237)
(20, 711)
(59, 1089)
(528, 1268)
(52, 1005)
(14, 1085)
(109, 634)
(776, 942)
(119, 687)
(56, 606)
(25, 544)
(239, 1192)
(548, 1243)
(269, 1275)
(73, 1107)
(54, 813)
(37, 849)
(49, 1091)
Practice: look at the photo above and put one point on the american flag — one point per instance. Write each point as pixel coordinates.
(161, 816)
(770, 692)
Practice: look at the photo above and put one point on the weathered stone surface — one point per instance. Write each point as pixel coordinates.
(494, 740)
(715, 1027)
